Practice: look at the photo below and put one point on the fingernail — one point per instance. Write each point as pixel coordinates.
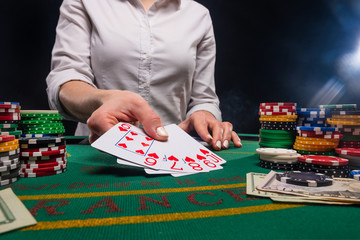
(209, 136)
(218, 144)
(162, 132)
(226, 143)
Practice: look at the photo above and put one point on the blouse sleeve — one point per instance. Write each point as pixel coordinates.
(203, 96)
(71, 51)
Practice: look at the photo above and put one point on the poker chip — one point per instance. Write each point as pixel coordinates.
(279, 164)
(323, 160)
(9, 148)
(43, 165)
(278, 104)
(44, 149)
(8, 181)
(338, 106)
(309, 179)
(275, 151)
(280, 158)
(41, 174)
(316, 129)
(325, 153)
(59, 160)
(43, 169)
(42, 158)
(6, 168)
(9, 116)
(310, 166)
(9, 105)
(11, 174)
(9, 161)
(9, 110)
(277, 108)
(6, 138)
(348, 151)
(277, 167)
(44, 153)
(328, 172)
(43, 145)
(40, 140)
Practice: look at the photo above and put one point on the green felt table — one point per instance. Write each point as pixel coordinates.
(98, 199)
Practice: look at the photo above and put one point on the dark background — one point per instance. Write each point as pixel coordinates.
(303, 51)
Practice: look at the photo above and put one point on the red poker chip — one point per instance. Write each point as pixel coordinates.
(334, 136)
(277, 107)
(54, 160)
(45, 169)
(41, 174)
(9, 116)
(45, 149)
(41, 154)
(45, 158)
(323, 160)
(277, 110)
(9, 110)
(9, 106)
(276, 113)
(278, 104)
(348, 151)
(43, 165)
(7, 138)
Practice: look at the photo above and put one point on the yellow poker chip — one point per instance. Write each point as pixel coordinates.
(354, 123)
(312, 148)
(276, 119)
(280, 116)
(10, 143)
(9, 148)
(356, 117)
(314, 139)
(317, 143)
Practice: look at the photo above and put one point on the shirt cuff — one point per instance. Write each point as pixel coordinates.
(213, 109)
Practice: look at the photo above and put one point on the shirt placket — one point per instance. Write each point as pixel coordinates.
(145, 56)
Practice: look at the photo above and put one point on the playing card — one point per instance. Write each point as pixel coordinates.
(131, 143)
(186, 155)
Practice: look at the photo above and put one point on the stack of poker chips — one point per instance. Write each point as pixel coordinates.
(316, 140)
(41, 122)
(278, 122)
(328, 165)
(355, 174)
(312, 117)
(9, 118)
(352, 154)
(42, 156)
(346, 118)
(9, 159)
(278, 158)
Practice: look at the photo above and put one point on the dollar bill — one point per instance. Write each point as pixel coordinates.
(13, 213)
(342, 190)
(253, 179)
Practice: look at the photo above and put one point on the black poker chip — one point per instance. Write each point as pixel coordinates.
(278, 166)
(328, 172)
(309, 179)
(41, 140)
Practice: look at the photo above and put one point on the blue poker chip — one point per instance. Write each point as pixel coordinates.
(308, 179)
(355, 172)
(312, 118)
(316, 129)
(10, 103)
(313, 122)
(322, 113)
(309, 109)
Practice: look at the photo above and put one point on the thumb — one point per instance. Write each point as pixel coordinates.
(151, 122)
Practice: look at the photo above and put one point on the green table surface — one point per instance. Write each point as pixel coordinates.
(98, 199)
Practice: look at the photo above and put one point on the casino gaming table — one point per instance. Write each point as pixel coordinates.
(98, 199)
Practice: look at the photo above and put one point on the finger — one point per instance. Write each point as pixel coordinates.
(151, 121)
(226, 136)
(93, 137)
(99, 123)
(201, 128)
(236, 139)
(217, 132)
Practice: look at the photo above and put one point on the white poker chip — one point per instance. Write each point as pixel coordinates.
(276, 151)
(278, 159)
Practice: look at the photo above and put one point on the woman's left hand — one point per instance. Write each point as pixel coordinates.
(217, 134)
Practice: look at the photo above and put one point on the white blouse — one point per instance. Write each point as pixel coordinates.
(167, 55)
